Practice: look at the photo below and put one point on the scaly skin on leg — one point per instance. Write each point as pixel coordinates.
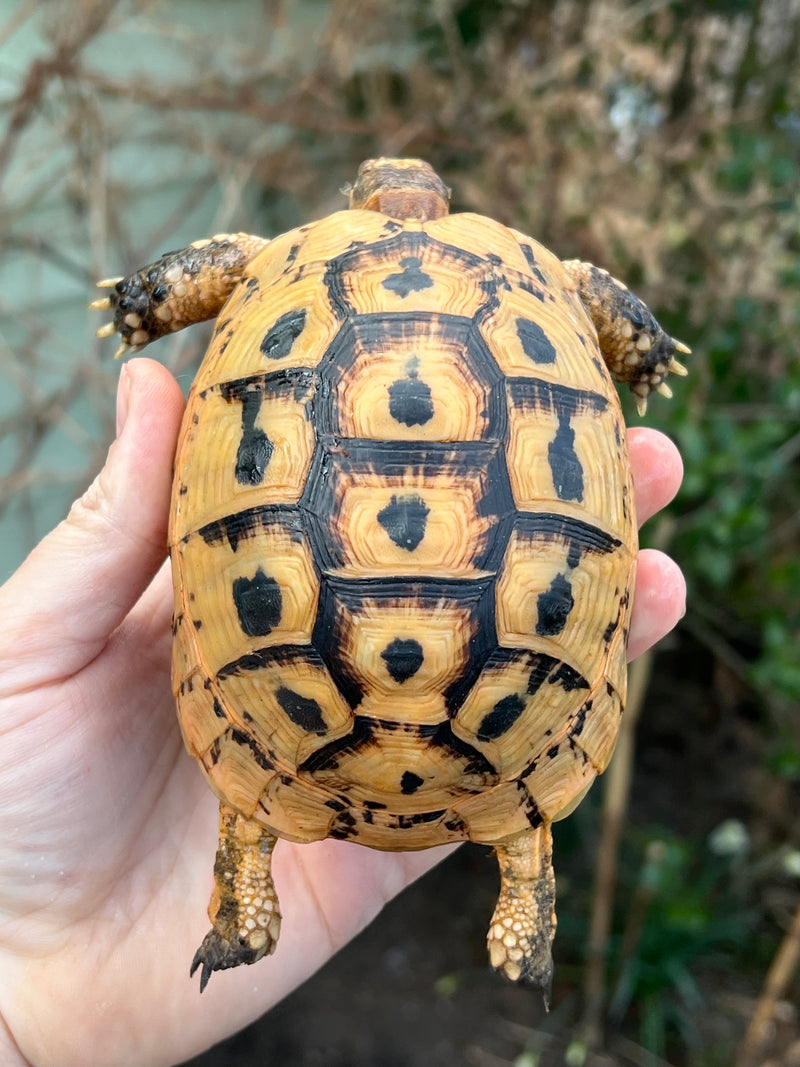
(179, 289)
(524, 922)
(244, 913)
(635, 347)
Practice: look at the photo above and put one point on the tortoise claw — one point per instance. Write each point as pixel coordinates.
(126, 349)
(675, 367)
(218, 954)
(106, 331)
(207, 971)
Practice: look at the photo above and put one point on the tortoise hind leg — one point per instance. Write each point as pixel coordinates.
(244, 913)
(524, 922)
(179, 289)
(636, 348)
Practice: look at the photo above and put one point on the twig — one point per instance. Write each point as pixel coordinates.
(615, 803)
(61, 63)
(778, 977)
(20, 15)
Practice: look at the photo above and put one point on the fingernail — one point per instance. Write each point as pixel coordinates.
(123, 394)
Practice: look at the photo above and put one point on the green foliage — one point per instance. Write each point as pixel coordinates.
(737, 421)
(687, 917)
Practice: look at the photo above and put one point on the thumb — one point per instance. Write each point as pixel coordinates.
(79, 583)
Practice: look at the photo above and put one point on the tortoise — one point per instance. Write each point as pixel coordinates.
(402, 538)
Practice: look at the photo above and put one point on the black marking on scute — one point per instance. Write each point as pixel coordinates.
(527, 251)
(412, 279)
(278, 342)
(540, 672)
(529, 806)
(303, 711)
(327, 757)
(531, 394)
(578, 535)
(565, 466)
(406, 822)
(442, 736)
(392, 460)
(255, 448)
(578, 723)
(246, 524)
(242, 740)
(252, 286)
(297, 382)
(554, 607)
(342, 597)
(410, 782)
(404, 519)
(527, 286)
(272, 656)
(368, 337)
(403, 658)
(410, 398)
(539, 395)
(398, 247)
(258, 603)
(343, 826)
(568, 678)
(501, 718)
(535, 343)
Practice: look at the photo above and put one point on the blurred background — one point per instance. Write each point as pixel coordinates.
(658, 139)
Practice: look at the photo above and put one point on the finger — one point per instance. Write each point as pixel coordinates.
(82, 579)
(659, 600)
(657, 470)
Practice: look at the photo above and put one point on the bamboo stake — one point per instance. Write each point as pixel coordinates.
(779, 975)
(615, 803)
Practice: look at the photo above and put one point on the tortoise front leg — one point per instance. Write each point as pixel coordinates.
(637, 350)
(244, 912)
(179, 289)
(524, 922)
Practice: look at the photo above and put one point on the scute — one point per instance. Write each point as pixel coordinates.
(402, 537)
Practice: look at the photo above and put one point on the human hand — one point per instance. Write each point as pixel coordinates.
(107, 828)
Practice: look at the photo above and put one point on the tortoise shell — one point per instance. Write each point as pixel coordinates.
(402, 537)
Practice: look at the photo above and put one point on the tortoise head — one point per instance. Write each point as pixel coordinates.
(400, 188)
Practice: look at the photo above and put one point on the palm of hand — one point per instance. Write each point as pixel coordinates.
(108, 831)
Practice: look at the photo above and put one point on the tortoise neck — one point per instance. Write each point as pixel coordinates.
(401, 189)
(407, 204)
